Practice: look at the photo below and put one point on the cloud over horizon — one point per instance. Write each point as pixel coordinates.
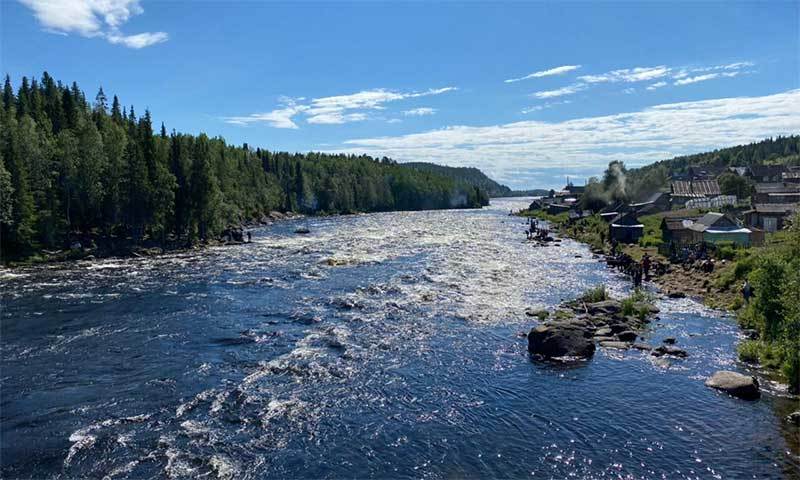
(588, 144)
(545, 73)
(93, 18)
(337, 109)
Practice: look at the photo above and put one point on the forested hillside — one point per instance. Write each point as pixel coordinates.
(72, 167)
(470, 175)
(780, 150)
(636, 184)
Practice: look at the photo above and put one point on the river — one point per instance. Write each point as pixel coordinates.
(380, 345)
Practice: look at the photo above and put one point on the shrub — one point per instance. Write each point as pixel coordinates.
(596, 294)
(650, 241)
(629, 304)
(791, 368)
(749, 351)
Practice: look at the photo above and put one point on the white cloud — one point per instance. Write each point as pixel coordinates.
(336, 118)
(279, 118)
(560, 92)
(637, 74)
(545, 73)
(419, 112)
(704, 77)
(140, 40)
(657, 85)
(588, 144)
(698, 78)
(537, 108)
(337, 109)
(93, 18)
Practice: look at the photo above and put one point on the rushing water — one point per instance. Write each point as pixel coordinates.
(383, 345)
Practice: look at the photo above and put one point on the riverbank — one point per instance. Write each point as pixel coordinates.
(265, 359)
(771, 320)
(91, 246)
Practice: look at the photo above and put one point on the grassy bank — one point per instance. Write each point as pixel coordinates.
(773, 315)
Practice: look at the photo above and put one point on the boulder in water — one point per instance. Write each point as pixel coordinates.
(555, 340)
(627, 336)
(735, 384)
(606, 307)
(302, 230)
(670, 350)
(794, 418)
(616, 345)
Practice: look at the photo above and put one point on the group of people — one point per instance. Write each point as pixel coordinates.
(536, 231)
(638, 271)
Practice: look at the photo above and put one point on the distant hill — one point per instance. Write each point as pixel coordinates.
(772, 151)
(475, 177)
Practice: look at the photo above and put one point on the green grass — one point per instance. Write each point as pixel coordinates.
(596, 294)
(630, 307)
(749, 351)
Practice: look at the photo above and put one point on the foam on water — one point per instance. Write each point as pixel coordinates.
(382, 345)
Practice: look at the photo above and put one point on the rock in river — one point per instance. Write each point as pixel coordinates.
(562, 339)
(617, 345)
(627, 336)
(670, 350)
(606, 307)
(735, 384)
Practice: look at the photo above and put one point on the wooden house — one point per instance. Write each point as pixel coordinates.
(766, 173)
(717, 227)
(656, 203)
(625, 228)
(777, 193)
(770, 216)
(684, 190)
(676, 230)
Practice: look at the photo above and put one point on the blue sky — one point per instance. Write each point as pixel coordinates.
(594, 82)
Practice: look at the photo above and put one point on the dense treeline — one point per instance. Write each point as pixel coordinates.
(774, 272)
(68, 167)
(470, 175)
(620, 184)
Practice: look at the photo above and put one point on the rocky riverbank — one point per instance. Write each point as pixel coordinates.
(91, 246)
(575, 328)
(574, 331)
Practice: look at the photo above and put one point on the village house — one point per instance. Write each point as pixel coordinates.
(766, 173)
(717, 227)
(676, 230)
(684, 190)
(770, 217)
(656, 203)
(776, 193)
(556, 208)
(792, 175)
(625, 228)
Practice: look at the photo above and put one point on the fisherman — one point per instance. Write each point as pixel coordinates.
(249, 237)
(747, 291)
(637, 275)
(646, 265)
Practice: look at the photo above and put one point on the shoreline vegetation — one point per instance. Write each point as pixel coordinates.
(75, 173)
(771, 319)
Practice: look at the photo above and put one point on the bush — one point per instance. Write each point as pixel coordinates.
(629, 304)
(650, 241)
(791, 369)
(596, 294)
(749, 351)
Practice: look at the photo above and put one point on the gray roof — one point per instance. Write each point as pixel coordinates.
(695, 188)
(775, 208)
